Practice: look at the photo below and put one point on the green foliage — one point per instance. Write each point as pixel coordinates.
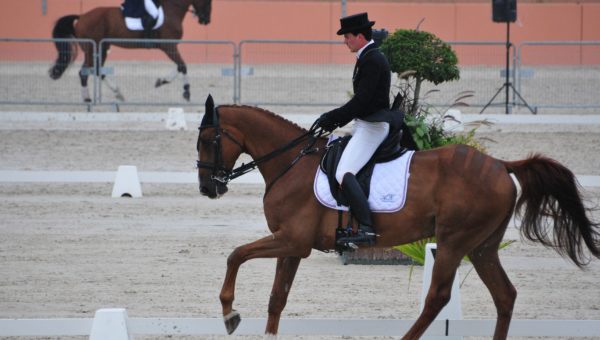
(420, 56)
(416, 252)
(427, 123)
(422, 52)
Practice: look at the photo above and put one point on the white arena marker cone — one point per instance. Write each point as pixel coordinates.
(452, 311)
(127, 182)
(176, 119)
(110, 324)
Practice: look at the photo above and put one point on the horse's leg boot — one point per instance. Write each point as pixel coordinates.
(359, 207)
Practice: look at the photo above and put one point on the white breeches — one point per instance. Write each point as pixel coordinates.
(366, 138)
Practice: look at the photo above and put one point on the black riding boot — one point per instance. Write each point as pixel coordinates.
(148, 23)
(359, 207)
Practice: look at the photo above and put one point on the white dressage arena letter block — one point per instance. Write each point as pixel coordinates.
(452, 311)
(110, 324)
(127, 182)
(176, 119)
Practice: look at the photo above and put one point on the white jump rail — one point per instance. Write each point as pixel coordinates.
(306, 327)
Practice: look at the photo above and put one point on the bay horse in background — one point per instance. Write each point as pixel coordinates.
(456, 193)
(109, 22)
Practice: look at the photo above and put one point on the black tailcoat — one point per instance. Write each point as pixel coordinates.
(371, 83)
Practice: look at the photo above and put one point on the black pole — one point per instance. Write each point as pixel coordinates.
(507, 16)
(507, 82)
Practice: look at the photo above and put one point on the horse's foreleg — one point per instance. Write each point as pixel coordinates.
(272, 246)
(173, 53)
(284, 276)
(186, 82)
(111, 85)
(166, 80)
(438, 295)
(114, 88)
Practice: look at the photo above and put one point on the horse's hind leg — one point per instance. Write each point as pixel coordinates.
(284, 276)
(86, 69)
(444, 269)
(83, 78)
(487, 264)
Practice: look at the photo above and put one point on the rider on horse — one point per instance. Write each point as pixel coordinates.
(146, 10)
(371, 83)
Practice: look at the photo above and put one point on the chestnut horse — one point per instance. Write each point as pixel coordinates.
(108, 22)
(456, 193)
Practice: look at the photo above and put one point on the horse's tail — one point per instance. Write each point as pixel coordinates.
(67, 51)
(551, 195)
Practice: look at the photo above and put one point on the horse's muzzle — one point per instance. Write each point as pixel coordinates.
(203, 20)
(213, 191)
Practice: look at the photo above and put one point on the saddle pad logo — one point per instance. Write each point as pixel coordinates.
(388, 186)
(389, 198)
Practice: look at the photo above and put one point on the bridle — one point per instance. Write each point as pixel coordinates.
(223, 175)
(219, 172)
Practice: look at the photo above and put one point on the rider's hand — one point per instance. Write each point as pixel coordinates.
(326, 122)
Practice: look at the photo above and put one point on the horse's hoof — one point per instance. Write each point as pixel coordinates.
(160, 82)
(87, 100)
(186, 95)
(232, 321)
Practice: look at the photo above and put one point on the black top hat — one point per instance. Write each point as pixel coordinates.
(353, 23)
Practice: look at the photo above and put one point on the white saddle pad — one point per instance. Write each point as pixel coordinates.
(387, 191)
(135, 24)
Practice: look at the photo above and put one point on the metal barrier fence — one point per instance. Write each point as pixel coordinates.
(24, 72)
(281, 72)
(210, 69)
(554, 84)
(482, 67)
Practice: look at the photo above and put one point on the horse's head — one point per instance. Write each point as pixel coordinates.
(218, 149)
(202, 9)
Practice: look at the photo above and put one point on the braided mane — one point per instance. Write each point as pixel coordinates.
(259, 109)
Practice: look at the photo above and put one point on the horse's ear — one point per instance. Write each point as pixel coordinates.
(209, 112)
(210, 103)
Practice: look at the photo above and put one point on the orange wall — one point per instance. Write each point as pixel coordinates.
(237, 20)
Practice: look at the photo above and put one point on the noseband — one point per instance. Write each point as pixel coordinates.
(223, 175)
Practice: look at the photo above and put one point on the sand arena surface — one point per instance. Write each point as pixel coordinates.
(67, 250)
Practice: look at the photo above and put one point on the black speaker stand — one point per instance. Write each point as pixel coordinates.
(507, 86)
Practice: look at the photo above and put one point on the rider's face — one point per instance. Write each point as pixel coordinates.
(354, 42)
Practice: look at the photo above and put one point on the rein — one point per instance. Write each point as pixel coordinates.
(224, 175)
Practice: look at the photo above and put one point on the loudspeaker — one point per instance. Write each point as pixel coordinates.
(504, 10)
